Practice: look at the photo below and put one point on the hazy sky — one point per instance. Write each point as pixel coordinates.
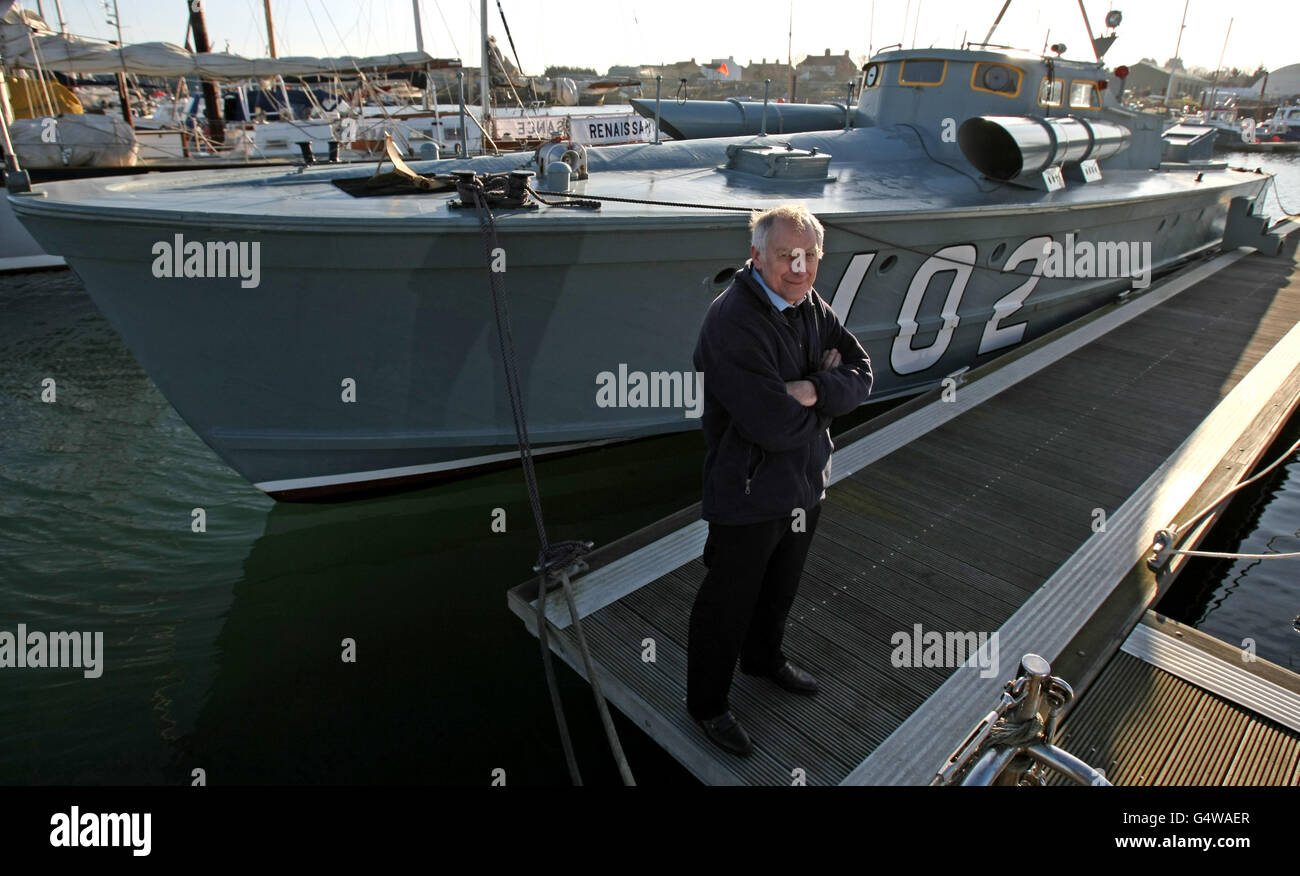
(604, 32)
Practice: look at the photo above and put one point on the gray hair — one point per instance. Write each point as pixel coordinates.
(797, 215)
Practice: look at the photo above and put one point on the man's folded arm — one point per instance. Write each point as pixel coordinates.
(840, 390)
(753, 393)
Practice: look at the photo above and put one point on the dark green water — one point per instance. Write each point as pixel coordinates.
(224, 648)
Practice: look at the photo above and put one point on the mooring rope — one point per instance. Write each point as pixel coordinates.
(1232, 556)
(1177, 530)
(558, 559)
(1277, 196)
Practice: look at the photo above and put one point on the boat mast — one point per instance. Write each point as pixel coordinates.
(419, 47)
(419, 33)
(1087, 25)
(270, 45)
(270, 28)
(58, 9)
(483, 64)
(1169, 86)
(989, 38)
(123, 94)
(1214, 86)
(216, 125)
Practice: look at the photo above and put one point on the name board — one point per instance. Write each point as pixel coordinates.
(611, 128)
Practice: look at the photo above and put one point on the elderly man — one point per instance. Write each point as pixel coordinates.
(777, 365)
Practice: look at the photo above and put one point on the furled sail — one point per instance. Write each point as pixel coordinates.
(25, 40)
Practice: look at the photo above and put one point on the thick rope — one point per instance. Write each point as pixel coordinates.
(555, 559)
(601, 706)
(1277, 196)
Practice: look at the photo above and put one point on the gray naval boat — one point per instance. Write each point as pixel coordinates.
(325, 335)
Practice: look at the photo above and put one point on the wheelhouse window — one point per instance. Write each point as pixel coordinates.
(1050, 92)
(1084, 95)
(996, 78)
(922, 71)
(872, 75)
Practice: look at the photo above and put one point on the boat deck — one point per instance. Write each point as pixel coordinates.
(873, 173)
(1024, 505)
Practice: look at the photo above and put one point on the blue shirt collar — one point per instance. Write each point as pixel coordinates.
(777, 301)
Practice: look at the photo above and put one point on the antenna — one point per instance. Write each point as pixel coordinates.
(789, 54)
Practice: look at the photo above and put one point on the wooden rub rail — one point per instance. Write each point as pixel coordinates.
(975, 516)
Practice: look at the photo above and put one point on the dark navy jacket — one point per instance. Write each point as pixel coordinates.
(768, 454)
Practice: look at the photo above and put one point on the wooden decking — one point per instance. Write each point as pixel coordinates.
(1178, 707)
(978, 515)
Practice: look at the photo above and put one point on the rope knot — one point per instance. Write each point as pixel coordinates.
(562, 558)
(495, 190)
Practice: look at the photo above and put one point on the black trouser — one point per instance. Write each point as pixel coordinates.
(742, 605)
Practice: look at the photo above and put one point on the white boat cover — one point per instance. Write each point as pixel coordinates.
(67, 140)
(25, 39)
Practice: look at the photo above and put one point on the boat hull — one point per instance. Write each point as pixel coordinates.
(366, 360)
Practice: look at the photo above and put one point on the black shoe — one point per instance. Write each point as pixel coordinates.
(726, 731)
(794, 679)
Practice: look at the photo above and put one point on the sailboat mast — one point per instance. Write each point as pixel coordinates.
(123, 92)
(216, 125)
(483, 65)
(1215, 85)
(270, 28)
(270, 45)
(1169, 86)
(419, 31)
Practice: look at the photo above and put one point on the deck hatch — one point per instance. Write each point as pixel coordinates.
(778, 162)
